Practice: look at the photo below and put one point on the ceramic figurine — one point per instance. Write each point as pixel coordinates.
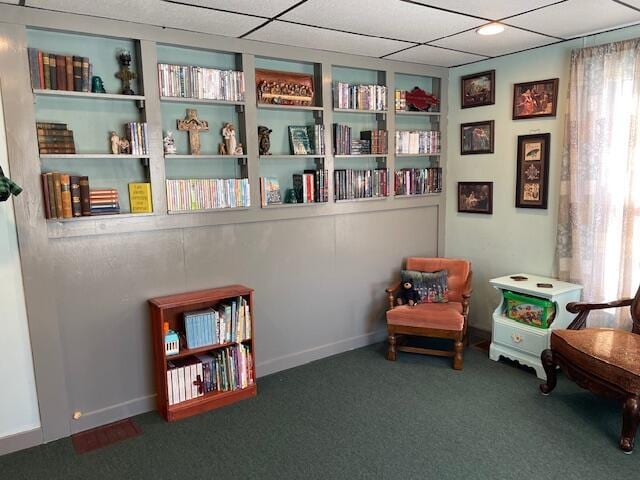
(264, 142)
(290, 196)
(192, 124)
(124, 146)
(229, 135)
(169, 143)
(115, 143)
(97, 86)
(125, 75)
(239, 150)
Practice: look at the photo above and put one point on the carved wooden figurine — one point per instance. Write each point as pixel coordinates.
(194, 126)
(264, 142)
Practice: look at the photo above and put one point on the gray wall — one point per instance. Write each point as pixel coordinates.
(319, 272)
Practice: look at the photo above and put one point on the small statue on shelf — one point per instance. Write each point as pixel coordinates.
(125, 75)
(124, 146)
(97, 86)
(115, 143)
(194, 126)
(229, 147)
(169, 143)
(290, 196)
(264, 142)
(239, 150)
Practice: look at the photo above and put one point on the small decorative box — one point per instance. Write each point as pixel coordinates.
(533, 311)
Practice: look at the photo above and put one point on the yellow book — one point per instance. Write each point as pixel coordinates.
(140, 197)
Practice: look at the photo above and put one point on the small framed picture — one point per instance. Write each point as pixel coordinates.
(475, 197)
(532, 183)
(476, 137)
(478, 89)
(535, 99)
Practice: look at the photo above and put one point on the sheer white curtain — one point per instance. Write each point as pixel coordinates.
(599, 215)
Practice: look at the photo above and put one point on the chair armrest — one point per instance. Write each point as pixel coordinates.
(582, 310)
(390, 294)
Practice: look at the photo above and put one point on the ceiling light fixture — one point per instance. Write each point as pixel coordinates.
(490, 29)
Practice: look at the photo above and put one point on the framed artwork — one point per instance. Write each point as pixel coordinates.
(284, 88)
(475, 197)
(476, 137)
(535, 99)
(478, 89)
(532, 184)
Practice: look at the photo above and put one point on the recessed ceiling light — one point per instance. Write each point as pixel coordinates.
(491, 29)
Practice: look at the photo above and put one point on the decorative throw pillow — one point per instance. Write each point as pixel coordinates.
(433, 287)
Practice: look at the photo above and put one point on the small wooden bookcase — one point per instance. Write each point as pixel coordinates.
(171, 309)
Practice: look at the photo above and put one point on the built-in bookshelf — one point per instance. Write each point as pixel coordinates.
(203, 344)
(417, 140)
(69, 107)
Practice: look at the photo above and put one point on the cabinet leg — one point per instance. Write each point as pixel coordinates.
(549, 365)
(391, 351)
(630, 420)
(458, 349)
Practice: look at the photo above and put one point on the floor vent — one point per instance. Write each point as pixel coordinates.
(99, 437)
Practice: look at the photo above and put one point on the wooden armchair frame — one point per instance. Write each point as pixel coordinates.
(591, 381)
(396, 333)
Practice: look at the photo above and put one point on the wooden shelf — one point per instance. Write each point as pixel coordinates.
(358, 110)
(206, 210)
(367, 199)
(98, 217)
(363, 155)
(293, 205)
(203, 157)
(273, 106)
(44, 156)
(88, 95)
(417, 195)
(185, 352)
(421, 114)
(201, 100)
(263, 157)
(202, 404)
(400, 155)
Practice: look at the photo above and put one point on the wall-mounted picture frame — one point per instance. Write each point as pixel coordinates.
(476, 137)
(475, 197)
(532, 182)
(535, 99)
(478, 89)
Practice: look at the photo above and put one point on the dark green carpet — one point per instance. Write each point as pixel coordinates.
(357, 415)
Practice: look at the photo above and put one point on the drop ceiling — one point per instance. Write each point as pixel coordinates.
(432, 32)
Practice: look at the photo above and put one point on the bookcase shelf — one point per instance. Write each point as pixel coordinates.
(417, 195)
(206, 210)
(99, 217)
(89, 155)
(420, 114)
(363, 155)
(359, 110)
(409, 155)
(367, 199)
(87, 95)
(171, 309)
(285, 156)
(272, 106)
(200, 100)
(293, 205)
(202, 157)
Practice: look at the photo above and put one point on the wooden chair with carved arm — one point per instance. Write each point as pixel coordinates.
(438, 320)
(605, 361)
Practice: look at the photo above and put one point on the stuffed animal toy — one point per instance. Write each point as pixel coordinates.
(407, 294)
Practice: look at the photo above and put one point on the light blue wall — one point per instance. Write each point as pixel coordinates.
(511, 240)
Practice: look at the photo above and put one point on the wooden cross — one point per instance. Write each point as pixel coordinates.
(194, 126)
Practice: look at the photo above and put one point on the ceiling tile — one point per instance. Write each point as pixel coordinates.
(511, 40)
(252, 7)
(574, 18)
(311, 37)
(492, 9)
(385, 18)
(434, 56)
(156, 12)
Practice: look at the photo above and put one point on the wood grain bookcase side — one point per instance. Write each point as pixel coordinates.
(171, 309)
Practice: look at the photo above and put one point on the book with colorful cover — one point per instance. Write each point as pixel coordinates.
(140, 197)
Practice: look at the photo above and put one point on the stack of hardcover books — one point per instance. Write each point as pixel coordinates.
(104, 201)
(59, 72)
(55, 138)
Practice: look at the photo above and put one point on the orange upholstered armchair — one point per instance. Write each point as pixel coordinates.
(440, 320)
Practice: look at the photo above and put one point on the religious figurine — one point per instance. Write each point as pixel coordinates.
(192, 124)
(125, 75)
(264, 142)
(124, 146)
(115, 143)
(229, 135)
(239, 150)
(97, 86)
(169, 143)
(290, 196)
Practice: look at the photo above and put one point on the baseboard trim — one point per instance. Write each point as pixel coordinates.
(113, 413)
(316, 353)
(479, 333)
(20, 441)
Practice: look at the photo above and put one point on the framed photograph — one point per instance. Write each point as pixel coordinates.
(478, 89)
(532, 183)
(535, 99)
(476, 137)
(475, 197)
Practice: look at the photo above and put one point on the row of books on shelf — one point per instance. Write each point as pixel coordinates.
(417, 141)
(207, 193)
(138, 137)
(312, 186)
(200, 82)
(306, 139)
(226, 322)
(360, 97)
(354, 184)
(418, 181)
(223, 370)
(371, 142)
(59, 72)
(68, 195)
(54, 138)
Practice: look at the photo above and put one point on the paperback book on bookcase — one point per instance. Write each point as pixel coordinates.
(311, 186)
(371, 142)
(228, 321)
(207, 193)
(51, 71)
(355, 184)
(360, 97)
(418, 181)
(417, 141)
(200, 82)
